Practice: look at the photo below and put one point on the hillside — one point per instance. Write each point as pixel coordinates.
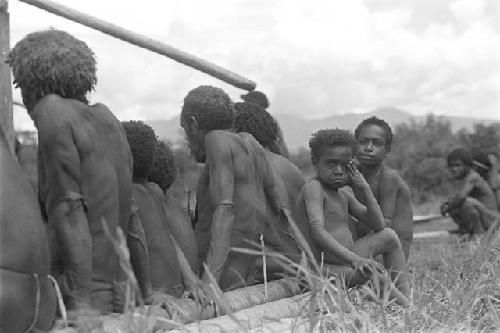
(298, 130)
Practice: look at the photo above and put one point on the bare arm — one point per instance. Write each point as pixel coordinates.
(493, 173)
(65, 207)
(273, 184)
(458, 198)
(313, 197)
(402, 222)
(136, 242)
(221, 175)
(371, 214)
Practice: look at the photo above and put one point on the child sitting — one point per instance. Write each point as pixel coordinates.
(327, 211)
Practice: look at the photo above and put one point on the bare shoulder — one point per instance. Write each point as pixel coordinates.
(313, 189)
(155, 190)
(393, 178)
(218, 139)
(53, 111)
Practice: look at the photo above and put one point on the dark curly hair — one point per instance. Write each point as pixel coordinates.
(142, 141)
(460, 154)
(210, 106)
(253, 119)
(163, 172)
(328, 138)
(53, 62)
(379, 122)
(256, 97)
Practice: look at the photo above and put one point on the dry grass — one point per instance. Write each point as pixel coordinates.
(456, 287)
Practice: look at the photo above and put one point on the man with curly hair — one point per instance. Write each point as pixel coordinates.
(260, 99)
(164, 268)
(373, 143)
(163, 175)
(327, 210)
(24, 253)
(232, 189)
(253, 119)
(473, 205)
(85, 171)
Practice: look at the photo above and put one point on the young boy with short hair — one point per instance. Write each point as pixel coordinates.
(373, 142)
(473, 204)
(327, 209)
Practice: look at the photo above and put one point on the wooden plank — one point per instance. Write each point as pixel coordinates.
(6, 120)
(426, 218)
(187, 311)
(431, 234)
(144, 42)
(250, 318)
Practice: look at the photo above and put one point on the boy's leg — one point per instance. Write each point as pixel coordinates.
(386, 243)
(480, 216)
(472, 216)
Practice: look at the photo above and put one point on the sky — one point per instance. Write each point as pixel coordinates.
(311, 58)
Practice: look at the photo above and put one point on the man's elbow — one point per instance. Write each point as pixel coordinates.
(318, 235)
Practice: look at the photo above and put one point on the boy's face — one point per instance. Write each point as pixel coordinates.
(458, 169)
(331, 167)
(371, 146)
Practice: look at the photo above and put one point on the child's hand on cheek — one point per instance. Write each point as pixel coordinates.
(356, 179)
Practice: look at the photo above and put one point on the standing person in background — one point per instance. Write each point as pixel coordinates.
(85, 171)
(373, 142)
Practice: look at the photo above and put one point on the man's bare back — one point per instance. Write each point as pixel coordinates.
(93, 178)
(27, 295)
(246, 161)
(163, 264)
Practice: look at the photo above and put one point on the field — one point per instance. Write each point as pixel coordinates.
(456, 287)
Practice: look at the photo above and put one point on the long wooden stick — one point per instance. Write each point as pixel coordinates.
(187, 311)
(250, 318)
(144, 42)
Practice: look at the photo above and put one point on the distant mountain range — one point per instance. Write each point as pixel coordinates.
(297, 130)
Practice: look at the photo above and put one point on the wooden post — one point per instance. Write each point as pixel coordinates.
(6, 121)
(144, 42)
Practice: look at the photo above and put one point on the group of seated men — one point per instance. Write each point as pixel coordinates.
(97, 176)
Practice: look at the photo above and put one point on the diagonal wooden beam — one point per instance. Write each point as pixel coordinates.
(144, 42)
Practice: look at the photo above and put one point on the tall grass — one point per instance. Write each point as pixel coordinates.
(455, 287)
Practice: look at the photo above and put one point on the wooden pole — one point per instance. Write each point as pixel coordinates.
(144, 42)
(187, 311)
(6, 121)
(250, 318)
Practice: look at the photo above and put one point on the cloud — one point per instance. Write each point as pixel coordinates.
(311, 58)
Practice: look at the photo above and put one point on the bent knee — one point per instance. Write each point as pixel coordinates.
(390, 237)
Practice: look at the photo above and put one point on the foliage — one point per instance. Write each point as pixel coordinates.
(419, 152)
